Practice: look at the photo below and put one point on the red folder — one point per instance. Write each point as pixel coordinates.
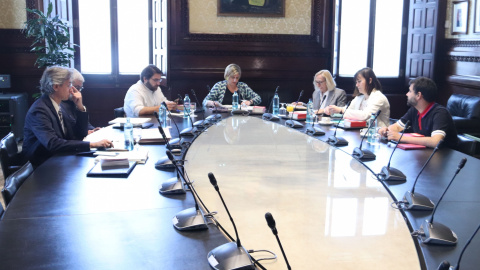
(410, 146)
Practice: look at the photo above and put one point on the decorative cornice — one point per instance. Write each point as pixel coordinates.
(463, 43)
(247, 53)
(464, 58)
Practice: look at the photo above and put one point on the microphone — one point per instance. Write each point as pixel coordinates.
(271, 224)
(164, 163)
(231, 255)
(240, 111)
(174, 143)
(213, 117)
(200, 123)
(389, 173)
(314, 131)
(189, 131)
(175, 150)
(191, 218)
(437, 233)
(338, 141)
(270, 116)
(417, 201)
(358, 153)
(292, 123)
(461, 254)
(445, 265)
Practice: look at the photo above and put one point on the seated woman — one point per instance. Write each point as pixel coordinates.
(219, 94)
(51, 126)
(368, 99)
(326, 93)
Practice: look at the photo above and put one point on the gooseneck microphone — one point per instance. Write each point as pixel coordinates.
(417, 201)
(189, 131)
(338, 141)
(365, 154)
(463, 250)
(271, 224)
(313, 130)
(198, 108)
(231, 255)
(165, 163)
(200, 123)
(389, 173)
(269, 114)
(436, 233)
(292, 123)
(214, 117)
(174, 143)
(191, 218)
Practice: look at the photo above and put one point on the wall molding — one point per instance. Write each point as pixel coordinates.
(457, 58)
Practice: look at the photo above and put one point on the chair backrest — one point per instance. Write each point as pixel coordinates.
(10, 158)
(464, 106)
(14, 181)
(118, 112)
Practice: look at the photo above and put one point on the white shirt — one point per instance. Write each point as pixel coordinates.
(376, 101)
(139, 96)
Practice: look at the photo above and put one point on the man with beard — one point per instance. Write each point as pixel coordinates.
(145, 97)
(426, 117)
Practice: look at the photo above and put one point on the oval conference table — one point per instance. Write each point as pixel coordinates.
(331, 211)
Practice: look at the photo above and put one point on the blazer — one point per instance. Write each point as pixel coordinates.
(335, 97)
(44, 136)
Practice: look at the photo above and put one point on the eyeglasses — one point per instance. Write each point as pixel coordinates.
(157, 80)
(79, 88)
(319, 82)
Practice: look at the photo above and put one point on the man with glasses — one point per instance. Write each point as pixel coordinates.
(145, 97)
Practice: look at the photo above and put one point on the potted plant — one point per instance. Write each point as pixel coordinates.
(51, 38)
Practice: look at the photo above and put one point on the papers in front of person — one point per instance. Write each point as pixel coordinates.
(133, 120)
(138, 154)
(108, 163)
(152, 135)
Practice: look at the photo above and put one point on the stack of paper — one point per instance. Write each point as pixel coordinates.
(108, 163)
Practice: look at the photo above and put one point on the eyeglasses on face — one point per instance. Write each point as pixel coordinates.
(79, 88)
(157, 80)
(319, 82)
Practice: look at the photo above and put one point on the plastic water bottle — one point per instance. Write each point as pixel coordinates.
(186, 106)
(372, 132)
(235, 101)
(276, 104)
(128, 133)
(310, 113)
(162, 114)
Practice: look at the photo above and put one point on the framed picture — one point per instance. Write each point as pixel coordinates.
(251, 8)
(476, 26)
(459, 17)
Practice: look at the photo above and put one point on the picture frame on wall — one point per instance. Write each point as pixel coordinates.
(476, 26)
(251, 8)
(459, 17)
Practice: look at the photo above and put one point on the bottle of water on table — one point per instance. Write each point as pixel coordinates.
(128, 133)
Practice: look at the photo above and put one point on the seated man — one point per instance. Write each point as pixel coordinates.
(145, 97)
(77, 83)
(51, 126)
(426, 117)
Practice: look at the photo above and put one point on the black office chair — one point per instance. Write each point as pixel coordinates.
(118, 112)
(10, 159)
(465, 111)
(14, 181)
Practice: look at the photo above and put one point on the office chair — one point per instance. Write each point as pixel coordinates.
(118, 112)
(14, 181)
(10, 159)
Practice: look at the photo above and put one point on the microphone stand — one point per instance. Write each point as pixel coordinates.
(338, 141)
(199, 123)
(417, 201)
(231, 255)
(270, 116)
(360, 154)
(213, 117)
(174, 143)
(463, 250)
(173, 185)
(314, 131)
(191, 218)
(165, 163)
(189, 131)
(390, 173)
(437, 233)
(292, 123)
(271, 224)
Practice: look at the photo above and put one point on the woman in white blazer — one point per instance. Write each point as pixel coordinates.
(368, 99)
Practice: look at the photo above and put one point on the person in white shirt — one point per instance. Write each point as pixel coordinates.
(368, 99)
(145, 97)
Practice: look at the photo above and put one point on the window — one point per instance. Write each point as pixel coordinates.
(369, 33)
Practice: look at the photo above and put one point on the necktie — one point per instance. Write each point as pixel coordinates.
(60, 116)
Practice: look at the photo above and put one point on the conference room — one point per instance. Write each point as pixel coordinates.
(331, 209)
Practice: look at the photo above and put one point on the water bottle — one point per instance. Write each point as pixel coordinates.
(310, 113)
(162, 115)
(276, 104)
(235, 101)
(186, 106)
(372, 132)
(128, 133)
